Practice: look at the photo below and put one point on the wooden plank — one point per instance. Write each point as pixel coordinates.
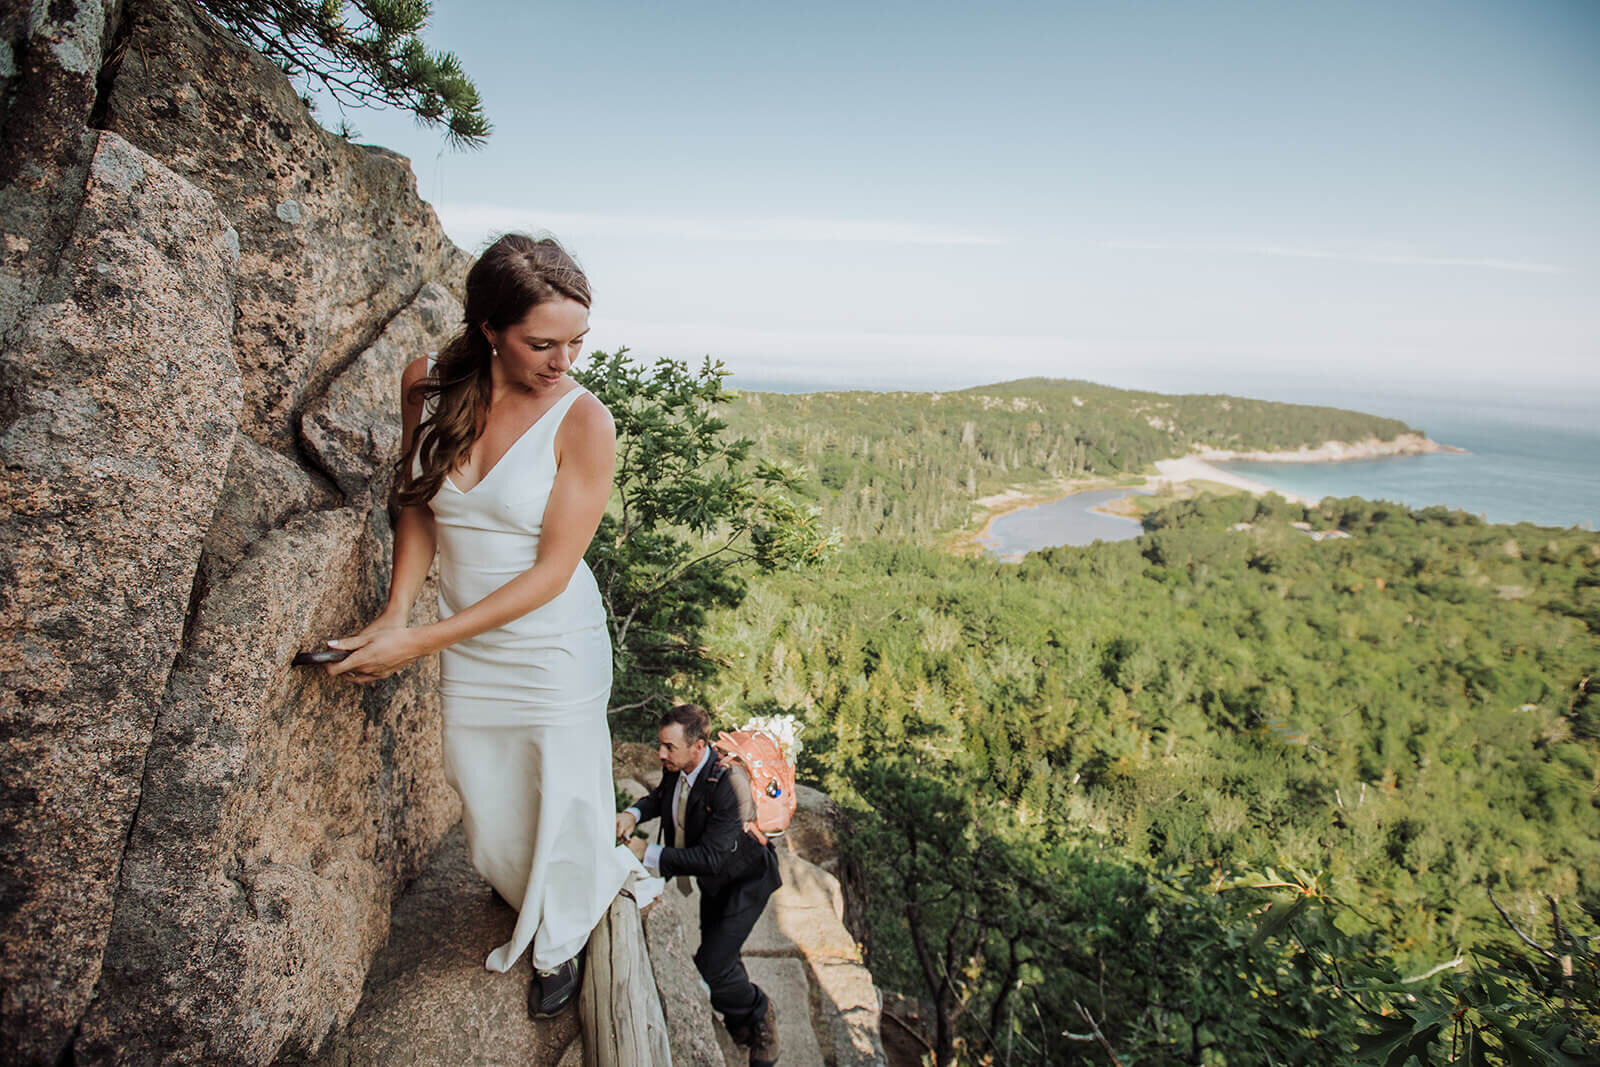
(622, 1021)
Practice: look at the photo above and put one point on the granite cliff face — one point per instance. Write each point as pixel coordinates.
(206, 301)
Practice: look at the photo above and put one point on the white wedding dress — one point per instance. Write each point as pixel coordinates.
(526, 742)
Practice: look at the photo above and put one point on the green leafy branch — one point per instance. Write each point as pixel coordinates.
(690, 510)
(365, 53)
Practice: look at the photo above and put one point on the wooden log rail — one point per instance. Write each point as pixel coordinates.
(621, 1013)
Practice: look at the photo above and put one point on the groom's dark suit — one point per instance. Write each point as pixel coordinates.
(736, 874)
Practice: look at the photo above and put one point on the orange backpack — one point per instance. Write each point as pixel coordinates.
(771, 778)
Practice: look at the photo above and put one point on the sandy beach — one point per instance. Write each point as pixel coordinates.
(1192, 468)
(1178, 472)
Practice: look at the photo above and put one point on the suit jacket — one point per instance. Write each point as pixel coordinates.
(724, 857)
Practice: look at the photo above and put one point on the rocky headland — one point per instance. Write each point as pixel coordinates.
(1406, 444)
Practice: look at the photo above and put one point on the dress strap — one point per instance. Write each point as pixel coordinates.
(558, 410)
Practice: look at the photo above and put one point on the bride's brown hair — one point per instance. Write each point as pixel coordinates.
(513, 276)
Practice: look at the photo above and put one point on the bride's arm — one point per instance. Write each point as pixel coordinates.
(414, 536)
(586, 450)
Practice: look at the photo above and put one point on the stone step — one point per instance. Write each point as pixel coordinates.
(428, 998)
(786, 983)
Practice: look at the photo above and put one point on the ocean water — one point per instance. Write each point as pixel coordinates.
(1537, 463)
(1524, 463)
(1531, 457)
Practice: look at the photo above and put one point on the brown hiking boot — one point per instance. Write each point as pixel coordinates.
(764, 1038)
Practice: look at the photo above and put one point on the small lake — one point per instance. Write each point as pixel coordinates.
(1068, 521)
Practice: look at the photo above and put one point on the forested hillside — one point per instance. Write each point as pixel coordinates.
(1067, 775)
(905, 465)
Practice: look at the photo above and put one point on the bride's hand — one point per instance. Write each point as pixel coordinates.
(376, 652)
(383, 622)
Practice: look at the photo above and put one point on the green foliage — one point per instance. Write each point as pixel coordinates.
(1402, 715)
(689, 509)
(363, 53)
(1230, 793)
(1026, 944)
(1522, 1003)
(910, 465)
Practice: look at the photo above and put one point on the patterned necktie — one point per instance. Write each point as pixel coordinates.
(679, 808)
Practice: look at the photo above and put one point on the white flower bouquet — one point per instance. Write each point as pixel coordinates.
(782, 729)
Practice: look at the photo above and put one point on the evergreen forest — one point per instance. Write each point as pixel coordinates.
(1233, 792)
(908, 466)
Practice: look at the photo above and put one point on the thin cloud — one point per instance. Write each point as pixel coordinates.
(1343, 256)
(492, 218)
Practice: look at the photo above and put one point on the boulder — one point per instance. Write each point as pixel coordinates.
(672, 932)
(849, 1010)
(430, 1000)
(818, 825)
(263, 490)
(201, 838)
(47, 92)
(120, 400)
(334, 240)
(803, 916)
(281, 810)
(635, 761)
(804, 921)
(352, 431)
(785, 981)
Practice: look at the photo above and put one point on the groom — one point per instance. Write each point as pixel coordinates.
(704, 808)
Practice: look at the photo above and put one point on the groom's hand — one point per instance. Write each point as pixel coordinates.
(625, 824)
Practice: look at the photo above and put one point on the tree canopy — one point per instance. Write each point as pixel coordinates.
(365, 53)
(692, 516)
(1223, 787)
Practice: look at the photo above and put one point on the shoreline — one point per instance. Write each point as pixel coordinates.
(999, 505)
(1177, 472)
(1407, 444)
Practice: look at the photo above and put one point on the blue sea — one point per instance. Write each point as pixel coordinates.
(1524, 463)
(1529, 458)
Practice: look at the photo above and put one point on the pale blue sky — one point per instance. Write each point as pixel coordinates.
(1246, 197)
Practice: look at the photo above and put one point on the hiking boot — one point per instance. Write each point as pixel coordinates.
(764, 1039)
(741, 1034)
(550, 991)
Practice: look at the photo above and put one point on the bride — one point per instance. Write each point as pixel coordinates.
(506, 470)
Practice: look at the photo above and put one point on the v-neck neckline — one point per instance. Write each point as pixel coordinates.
(512, 446)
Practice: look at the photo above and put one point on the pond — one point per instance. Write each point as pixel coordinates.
(1068, 521)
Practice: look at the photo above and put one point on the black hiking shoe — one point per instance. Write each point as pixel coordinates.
(550, 991)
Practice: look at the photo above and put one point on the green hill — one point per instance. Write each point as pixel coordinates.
(910, 465)
(1252, 788)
